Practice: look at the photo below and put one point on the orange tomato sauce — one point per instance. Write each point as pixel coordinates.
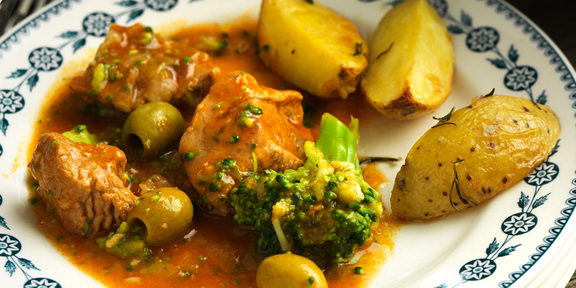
(216, 253)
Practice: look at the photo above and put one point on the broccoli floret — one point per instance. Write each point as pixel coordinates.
(226, 168)
(80, 134)
(126, 242)
(323, 210)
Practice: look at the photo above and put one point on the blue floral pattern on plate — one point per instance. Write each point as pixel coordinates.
(9, 247)
(514, 225)
(96, 24)
(481, 39)
(47, 59)
(10, 102)
(477, 269)
(485, 39)
(41, 283)
(518, 78)
(161, 5)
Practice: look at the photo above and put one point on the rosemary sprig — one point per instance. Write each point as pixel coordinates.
(456, 183)
(357, 49)
(378, 159)
(444, 119)
(490, 93)
(385, 51)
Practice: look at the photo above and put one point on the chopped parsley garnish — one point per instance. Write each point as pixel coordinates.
(86, 227)
(34, 200)
(310, 281)
(358, 49)
(130, 178)
(79, 128)
(215, 137)
(248, 34)
(234, 138)
(213, 187)
(253, 110)
(190, 155)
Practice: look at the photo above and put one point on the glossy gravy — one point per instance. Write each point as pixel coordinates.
(216, 253)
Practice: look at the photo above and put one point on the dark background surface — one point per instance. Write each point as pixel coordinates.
(557, 18)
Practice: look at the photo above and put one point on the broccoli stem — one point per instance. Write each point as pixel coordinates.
(337, 141)
(323, 209)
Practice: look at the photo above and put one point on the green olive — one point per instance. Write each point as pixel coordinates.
(151, 128)
(166, 214)
(289, 271)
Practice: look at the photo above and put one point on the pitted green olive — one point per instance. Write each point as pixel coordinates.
(289, 271)
(151, 128)
(166, 213)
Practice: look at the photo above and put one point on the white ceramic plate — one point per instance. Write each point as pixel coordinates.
(498, 244)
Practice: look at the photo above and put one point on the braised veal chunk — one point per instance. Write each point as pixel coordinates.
(134, 66)
(236, 120)
(81, 182)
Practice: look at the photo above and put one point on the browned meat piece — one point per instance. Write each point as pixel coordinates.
(134, 66)
(82, 182)
(236, 119)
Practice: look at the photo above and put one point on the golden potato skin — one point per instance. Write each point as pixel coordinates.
(312, 46)
(414, 76)
(500, 138)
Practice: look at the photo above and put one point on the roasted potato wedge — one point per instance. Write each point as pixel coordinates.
(411, 62)
(477, 153)
(312, 46)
